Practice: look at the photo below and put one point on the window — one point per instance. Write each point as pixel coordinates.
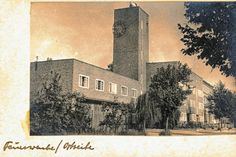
(141, 24)
(201, 106)
(192, 103)
(124, 90)
(99, 85)
(83, 81)
(113, 88)
(134, 93)
(200, 93)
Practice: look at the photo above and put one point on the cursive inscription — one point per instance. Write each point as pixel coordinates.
(10, 145)
(73, 145)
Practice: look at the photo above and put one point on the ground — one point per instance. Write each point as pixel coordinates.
(192, 132)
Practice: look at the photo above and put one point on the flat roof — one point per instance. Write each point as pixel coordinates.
(73, 59)
(137, 7)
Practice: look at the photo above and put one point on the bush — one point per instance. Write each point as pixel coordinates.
(165, 133)
(56, 113)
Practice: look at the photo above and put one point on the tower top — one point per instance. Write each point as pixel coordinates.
(132, 4)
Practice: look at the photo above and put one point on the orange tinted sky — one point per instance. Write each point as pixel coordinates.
(84, 31)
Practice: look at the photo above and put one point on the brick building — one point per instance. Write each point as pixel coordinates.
(131, 74)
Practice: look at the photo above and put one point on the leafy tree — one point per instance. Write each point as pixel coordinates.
(77, 117)
(115, 116)
(169, 88)
(146, 112)
(210, 34)
(143, 111)
(234, 110)
(222, 102)
(53, 112)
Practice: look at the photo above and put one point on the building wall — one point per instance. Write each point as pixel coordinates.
(70, 69)
(41, 72)
(207, 90)
(195, 100)
(94, 73)
(143, 47)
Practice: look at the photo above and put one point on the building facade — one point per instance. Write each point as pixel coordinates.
(131, 75)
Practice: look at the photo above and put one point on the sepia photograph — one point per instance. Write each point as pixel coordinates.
(133, 68)
(117, 78)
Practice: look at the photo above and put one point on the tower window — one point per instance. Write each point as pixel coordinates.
(124, 91)
(142, 24)
(99, 85)
(113, 88)
(83, 81)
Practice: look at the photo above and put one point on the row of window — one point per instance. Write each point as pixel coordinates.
(99, 86)
(198, 92)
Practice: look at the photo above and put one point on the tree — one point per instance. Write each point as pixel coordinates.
(53, 112)
(146, 112)
(77, 116)
(169, 88)
(222, 103)
(234, 110)
(115, 116)
(210, 34)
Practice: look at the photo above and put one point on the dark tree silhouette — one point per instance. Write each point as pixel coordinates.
(222, 103)
(116, 115)
(210, 33)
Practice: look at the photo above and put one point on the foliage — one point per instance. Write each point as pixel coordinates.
(77, 117)
(55, 113)
(146, 112)
(210, 34)
(115, 116)
(169, 88)
(173, 120)
(222, 102)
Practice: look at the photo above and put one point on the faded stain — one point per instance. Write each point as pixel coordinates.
(25, 124)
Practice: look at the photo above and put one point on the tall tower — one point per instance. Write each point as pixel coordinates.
(130, 44)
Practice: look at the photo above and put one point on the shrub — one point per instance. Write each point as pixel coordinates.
(165, 133)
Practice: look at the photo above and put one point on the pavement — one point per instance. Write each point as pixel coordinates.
(192, 132)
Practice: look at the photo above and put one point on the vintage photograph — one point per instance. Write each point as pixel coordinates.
(133, 68)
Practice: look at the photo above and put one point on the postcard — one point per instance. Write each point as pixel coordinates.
(117, 78)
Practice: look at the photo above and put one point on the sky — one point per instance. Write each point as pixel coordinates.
(83, 30)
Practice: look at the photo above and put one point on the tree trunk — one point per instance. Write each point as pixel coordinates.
(146, 110)
(220, 124)
(167, 121)
(144, 124)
